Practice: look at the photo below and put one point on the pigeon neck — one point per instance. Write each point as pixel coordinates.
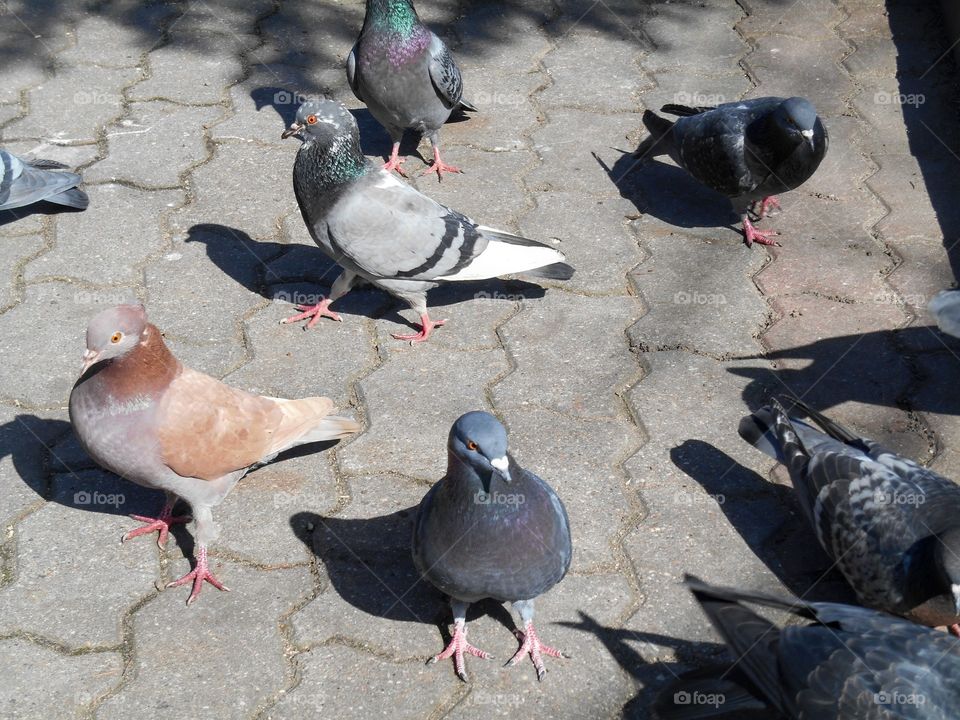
(147, 369)
(335, 164)
(395, 16)
(925, 576)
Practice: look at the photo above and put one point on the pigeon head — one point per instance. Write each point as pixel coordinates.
(323, 121)
(478, 441)
(797, 117)
(948, 550)
(113, 333)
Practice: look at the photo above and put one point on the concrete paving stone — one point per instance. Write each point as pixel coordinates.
(568, 164)
(259, 181)
(592, 233)
(572, 338)
(612, 65)
(681, 86)
(873, 58)
(43, 358)
(866, 19)
(25, 441)
(115, 257)
(924, 270)
(916, 212)
(924, 112)
(788, 66)
(221, 18)
(337, 681)
(107, 41)
(845, 166)
(293, 37)
(184, 73)
(813, 20)
(149, 131)
(50, 685)
(679, 27)
(26, 53)
(505, 114)
(22, 223)
(8, 111)
(73, 156)
(181, 651)
(938, 401)
(372, 594)
(436, 390)
(947, 463)
(78, 600)
(698, 304)
(14, 79)
(13, 251)
(588, 684)
(616, 18)
(74, 104)
(583, 471)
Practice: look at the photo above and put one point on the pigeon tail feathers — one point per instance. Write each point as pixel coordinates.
(308, 420)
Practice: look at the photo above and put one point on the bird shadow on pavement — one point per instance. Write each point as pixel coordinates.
(669, 194)
(302, 274)
(369, 564)
(768, 518)
(893, 368)
(43, 207)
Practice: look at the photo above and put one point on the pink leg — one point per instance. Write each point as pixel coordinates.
(752, 235)
(395, 162)
(440, 167)
(426, 326)
(768, 202)
(161, 523)
(954, 629)
(457, 647)
(531, 644)
(198, 575)
(314, 312)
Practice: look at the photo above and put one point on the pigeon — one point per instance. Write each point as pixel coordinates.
(406, 76)
(891, 526)
(24, 182)
(748, 150)
(945, 307)
(490, 529)
(379, 229)
(842, 663)
(140, 413)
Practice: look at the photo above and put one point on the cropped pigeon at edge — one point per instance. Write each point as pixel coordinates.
(945, 307)
(25, 181)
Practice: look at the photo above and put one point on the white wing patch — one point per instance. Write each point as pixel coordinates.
(502, 258)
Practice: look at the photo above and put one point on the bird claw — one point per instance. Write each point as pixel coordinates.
(440, 168)
(457, 646)
(395, 163)
(198, 575)
(426, 327)
(761, 237)
(314, 312)
(161, 523)
(530, 645)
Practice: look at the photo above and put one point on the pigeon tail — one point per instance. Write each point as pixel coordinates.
(686, 110)
(705, 694)
(557, 271)
(308, 421)
(770, 430)
(74, 197)
(508, 254)
(658, 141)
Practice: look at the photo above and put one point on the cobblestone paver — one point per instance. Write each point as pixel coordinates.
(622, 387)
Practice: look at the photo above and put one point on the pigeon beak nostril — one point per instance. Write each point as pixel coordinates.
(292, 130)
(89, 358)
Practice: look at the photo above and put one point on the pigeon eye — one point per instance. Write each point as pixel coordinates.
(117, 337)
(471, 445)
(311, 119)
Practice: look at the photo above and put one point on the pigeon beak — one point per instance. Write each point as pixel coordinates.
(808, 136)
(502, 466)
(90, 357)
(292, 130)
(955, 589)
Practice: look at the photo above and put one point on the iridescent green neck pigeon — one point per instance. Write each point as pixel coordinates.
(24, 182)
(379, 229)
(748, 150)
(406, 76)
(490, 529)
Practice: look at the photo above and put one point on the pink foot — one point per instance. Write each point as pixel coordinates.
(752, 235)
(426, 327)
(198, 575)
(440, 167)
(768, 202)
(395, 162)
(531, 644)
(457, 647)
(954, 629)
(314, 312)
(161, 523)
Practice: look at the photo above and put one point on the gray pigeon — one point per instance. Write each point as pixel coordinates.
(844, 663)
(24, 182)
(379, 229)
(892, 526)
(490, 529)
(140, 413)
(406, 76)
(748, 150)
(945, 307)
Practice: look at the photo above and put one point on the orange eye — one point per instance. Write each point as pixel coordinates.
(311, 119)
(117, 337)
(471, 445)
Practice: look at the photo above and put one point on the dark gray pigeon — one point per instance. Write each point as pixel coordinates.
(490, 529)
(892, 526)
(749, 150)
(844, 663)
(945, 307)
(24, 182)
(406, 76)
(379, 229)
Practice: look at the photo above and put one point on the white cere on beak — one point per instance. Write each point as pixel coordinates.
(501, 463)
(808, 134)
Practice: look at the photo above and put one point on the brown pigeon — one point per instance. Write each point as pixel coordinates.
(140, 413)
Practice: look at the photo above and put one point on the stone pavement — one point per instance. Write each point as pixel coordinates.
(622, 387)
